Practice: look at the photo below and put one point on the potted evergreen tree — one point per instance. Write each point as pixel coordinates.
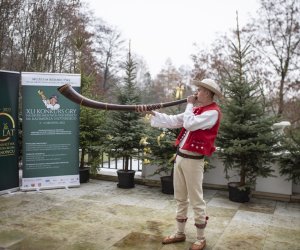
(125, 129)
(246, 139)
(91, 121)
(290, 157)
(160, 151)
(160, 147)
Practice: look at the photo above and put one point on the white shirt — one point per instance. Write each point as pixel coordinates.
(188, 120)
(50, 106)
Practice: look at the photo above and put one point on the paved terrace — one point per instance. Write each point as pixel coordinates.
(100, 216)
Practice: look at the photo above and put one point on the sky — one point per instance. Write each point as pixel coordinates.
(162, 29)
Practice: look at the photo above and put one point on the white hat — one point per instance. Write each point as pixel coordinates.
(210, 85)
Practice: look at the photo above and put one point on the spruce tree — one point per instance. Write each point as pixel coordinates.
(246, 139)
(290, 157)
(160, 149)
(125, 129)
(91, 122)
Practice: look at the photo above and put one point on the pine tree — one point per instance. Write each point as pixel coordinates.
(125, 129)
(91, 121)
(290, 159)
(246, 138)
(160, 149)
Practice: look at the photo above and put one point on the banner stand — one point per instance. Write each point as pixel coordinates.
(9, 123)
(50, 132)
(9, 191)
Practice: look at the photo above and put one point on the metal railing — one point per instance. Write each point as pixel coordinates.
(109, 162)
(113, 163)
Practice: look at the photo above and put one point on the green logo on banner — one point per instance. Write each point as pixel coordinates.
(7, 132)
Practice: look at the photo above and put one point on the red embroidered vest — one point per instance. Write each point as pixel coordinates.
(201, 141)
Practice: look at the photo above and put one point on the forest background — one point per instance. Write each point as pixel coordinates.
(65, 36)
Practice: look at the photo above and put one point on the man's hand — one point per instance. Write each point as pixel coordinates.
(192, 99)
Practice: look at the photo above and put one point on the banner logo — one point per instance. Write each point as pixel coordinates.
(7, 127)
(51, 102)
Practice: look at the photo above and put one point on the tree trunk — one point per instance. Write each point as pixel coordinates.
(242, 177)
(82, 158)
(106, 71)
(281, 101)
(126, 163)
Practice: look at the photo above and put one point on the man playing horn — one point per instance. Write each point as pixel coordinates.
(51, 103)
(200, 123)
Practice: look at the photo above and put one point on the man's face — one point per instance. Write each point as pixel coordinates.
(53, 101)
(203, 95)
(202, 92)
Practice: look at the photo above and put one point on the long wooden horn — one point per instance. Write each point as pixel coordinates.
(72, 95)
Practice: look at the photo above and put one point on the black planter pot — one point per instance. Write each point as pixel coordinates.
(238, 194)
(167, 186)
(126, 178)
(84, 174)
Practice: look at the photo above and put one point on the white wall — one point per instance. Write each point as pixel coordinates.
(296, 188)
(216, 176)
(276, 184)
(148, 170)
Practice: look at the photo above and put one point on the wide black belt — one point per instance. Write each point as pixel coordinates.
(195, 157)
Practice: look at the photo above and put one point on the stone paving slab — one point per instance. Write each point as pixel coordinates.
(100, 216)
(146, 241)
(284, 235)
(223, 202)
(242, 235)
(259, 205)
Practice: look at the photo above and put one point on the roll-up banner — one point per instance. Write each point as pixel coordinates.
(9, 153)
(50, 132)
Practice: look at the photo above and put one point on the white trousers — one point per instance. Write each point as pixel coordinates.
(188, 178)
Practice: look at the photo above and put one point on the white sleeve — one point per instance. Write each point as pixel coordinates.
(45, 102)
(194, 122)
(161, 120)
